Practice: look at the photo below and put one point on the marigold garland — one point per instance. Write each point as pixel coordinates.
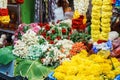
(4, 17)
(102, 9)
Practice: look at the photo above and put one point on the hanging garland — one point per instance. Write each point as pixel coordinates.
(4, 17)
(81, 6)
(101, 17)
(79, 17)
(20, 1)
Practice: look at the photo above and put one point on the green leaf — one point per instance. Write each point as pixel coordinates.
(6, 55)
(34, 70)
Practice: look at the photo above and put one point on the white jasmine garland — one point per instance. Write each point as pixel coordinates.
(81, 6)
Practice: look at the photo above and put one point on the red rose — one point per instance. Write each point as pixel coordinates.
(47, 27)
(43, 34)
(58, 37)
(48, 38)
(20, 1)
(51, 42)
(63, 30)
(40, 24)
(53, 31)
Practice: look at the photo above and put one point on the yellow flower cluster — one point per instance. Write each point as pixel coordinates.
(101, 17)
(5, 19)
(84, 67)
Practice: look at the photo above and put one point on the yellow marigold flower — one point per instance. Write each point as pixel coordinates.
(76, 14)
(106, 67)
(104, 53)
(116, 63)
(5, 19)
(84, 20)
(72, 70)
(61, 69)
(111, 75)
(59, 75)
(117, 71)
(70, 77)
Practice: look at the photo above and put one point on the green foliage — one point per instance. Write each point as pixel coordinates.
(6, 55)
(80, 37)
(33, 70)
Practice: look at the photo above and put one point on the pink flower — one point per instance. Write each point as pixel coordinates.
(36, 29)
(34, 24)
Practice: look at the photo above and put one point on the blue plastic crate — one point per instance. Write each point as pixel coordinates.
(8, 69)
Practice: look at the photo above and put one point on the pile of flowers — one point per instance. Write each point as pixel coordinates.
(57, 53)
(77, 47)
(27, 44)
(84, 67)
(52, 33)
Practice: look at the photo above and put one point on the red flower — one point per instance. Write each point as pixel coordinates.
(63, 30)
(82, 27)
(58, 21)
(48, 38)
(47, 27)
(43, 34)
(58, 37)
(20, 1)
(41, 24)
(51, 42)
(101, 41)
(81, 17)
(3, 12)
(53, 31)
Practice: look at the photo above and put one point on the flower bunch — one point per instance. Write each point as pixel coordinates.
(101, 10)
(77, 47)
(4, 17)
(84, 67)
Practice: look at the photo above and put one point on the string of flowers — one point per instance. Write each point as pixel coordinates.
(101, 10)
(81, 6)
(4, 17)
(79, 17)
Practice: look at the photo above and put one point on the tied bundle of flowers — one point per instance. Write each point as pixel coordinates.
(4, 17)
(84, 67)
(57, 53)
(77, 47)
